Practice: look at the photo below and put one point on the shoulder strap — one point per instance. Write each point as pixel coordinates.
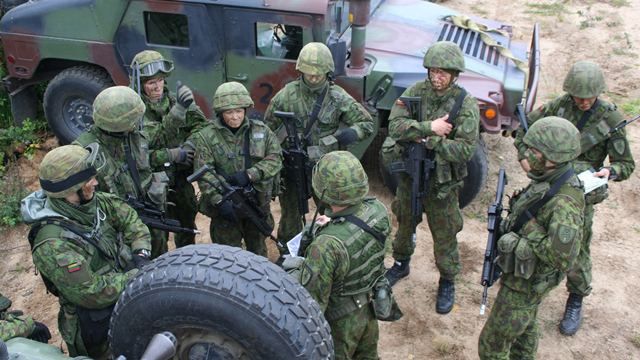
(587, 114)
(131, 164)
(364, 226)
(246, 146)
(531, 212)
(315, 112)
(455, 110)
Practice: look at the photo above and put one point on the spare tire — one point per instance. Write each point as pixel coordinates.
(220, 302)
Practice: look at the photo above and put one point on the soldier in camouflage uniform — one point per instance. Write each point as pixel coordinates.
(594, 118)
(537, 247)
(340, 121)
(117, 112)
(243, 153)
(168, 122)
(85, 244)
(16, 324)
(454, 142)
(344, 261)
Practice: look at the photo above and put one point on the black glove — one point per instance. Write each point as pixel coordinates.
(141, 258)
(225, 210)
(40, 333)
(184, 95)
(182, 155)
(239, 179)
(346, 136)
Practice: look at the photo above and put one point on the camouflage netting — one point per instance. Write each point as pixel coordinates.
(61, 163)
(118, 109)
(556, 138)
(231, 95)
(444, 55)
(584, 80)
(315, 59)
(341, 177)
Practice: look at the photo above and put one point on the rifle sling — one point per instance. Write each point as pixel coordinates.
(531, 212)
(131, 165)
(315, 112)
(363, 225)
(455, 110)
(587, 114)
(246, 147)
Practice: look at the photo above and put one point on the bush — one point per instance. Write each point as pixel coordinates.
(11, 192)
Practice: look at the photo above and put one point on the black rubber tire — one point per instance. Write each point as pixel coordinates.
(477, 167)
(69, 97)
(239, 303)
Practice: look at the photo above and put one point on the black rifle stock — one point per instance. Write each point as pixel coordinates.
(155, 218)
(490, 269)
(296, 162)
(241, 199)
(418, 163)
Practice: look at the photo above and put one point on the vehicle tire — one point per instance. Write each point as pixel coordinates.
(221, 301)
(68, 100)
(473, 183)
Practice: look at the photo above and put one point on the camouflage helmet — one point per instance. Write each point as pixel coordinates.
(151, 63)
(118, 109)
(231, 95)
(315, 59)
(444, 55)
(66, 169)
(584, 80)
(339, 179)
(556, 138)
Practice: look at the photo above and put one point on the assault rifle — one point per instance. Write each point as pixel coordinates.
(241, 198)
(155, 218)
(296, 162)
(418, 163)
(623, 124)
(490, 269)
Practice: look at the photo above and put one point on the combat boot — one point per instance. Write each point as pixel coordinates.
(446, 296)
(572, 315)
(399, 270)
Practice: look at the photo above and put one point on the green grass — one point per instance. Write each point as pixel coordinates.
(619, 3)
(632, 107)
(554, 8)
(11, 192)
(635, 340)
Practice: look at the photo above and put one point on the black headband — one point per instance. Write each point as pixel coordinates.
(75, 179)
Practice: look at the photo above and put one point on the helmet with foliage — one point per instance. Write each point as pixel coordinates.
(66, 169)
(315, 59)
(231, 95)
(444, 55)
(339, 179)
(150, 63)
(118, 109)
(556, 138)
(584, 80)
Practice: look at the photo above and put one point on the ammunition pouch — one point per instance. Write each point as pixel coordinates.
(345, 305)
(157, 191)
(506, 252)
(328, 144)
(94, 325)
(385, 306)
(526, 260)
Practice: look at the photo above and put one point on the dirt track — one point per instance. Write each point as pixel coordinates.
(574, 30)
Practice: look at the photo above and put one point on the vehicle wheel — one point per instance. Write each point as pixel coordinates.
(220, 302)
(69, 98)
(473, 183)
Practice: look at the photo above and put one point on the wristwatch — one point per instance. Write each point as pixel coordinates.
(143, 252)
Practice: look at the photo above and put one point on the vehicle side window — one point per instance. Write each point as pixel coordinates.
(278, 41)
(166, 29)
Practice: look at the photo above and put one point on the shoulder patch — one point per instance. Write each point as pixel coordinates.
(566, 234)
(620, 146)
(305, 275)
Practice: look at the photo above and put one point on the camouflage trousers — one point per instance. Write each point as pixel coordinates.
(579, 276)
(355, 336)
(185, 210)
(232, 233)
(511, 331)
(444, 219)
(290, 218)
(159, 239)
(13, 324)
(69, 327)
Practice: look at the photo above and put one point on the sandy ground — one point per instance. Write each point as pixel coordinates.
(576, 30)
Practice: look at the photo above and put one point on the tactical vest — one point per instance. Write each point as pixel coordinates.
(366, 257)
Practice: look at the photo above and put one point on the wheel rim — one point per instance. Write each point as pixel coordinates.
(200, 343)
(77, 114)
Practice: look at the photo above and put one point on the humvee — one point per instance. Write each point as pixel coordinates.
(83, 46)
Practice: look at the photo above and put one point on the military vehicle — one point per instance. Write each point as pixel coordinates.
(205, 302)
(82, 46)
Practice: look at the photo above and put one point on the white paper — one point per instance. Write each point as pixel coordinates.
(590, 181)
(294, 244)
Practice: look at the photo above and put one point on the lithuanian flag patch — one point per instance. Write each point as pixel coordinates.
(73, 267)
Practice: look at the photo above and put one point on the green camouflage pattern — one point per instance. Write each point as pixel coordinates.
(342, 262)
(339, 179)
(553, 237)
(584, 80)
(118, 109)
(596, 147)
(147, 57)
(451, 155)
(61, 163)
(222, 149)
(231, 95)
(83, 275)
(556, 138)
(315, 59)
(444, 55)
(339, 110)
(13, 324)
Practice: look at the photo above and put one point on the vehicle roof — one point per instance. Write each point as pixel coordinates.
(304, 6)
